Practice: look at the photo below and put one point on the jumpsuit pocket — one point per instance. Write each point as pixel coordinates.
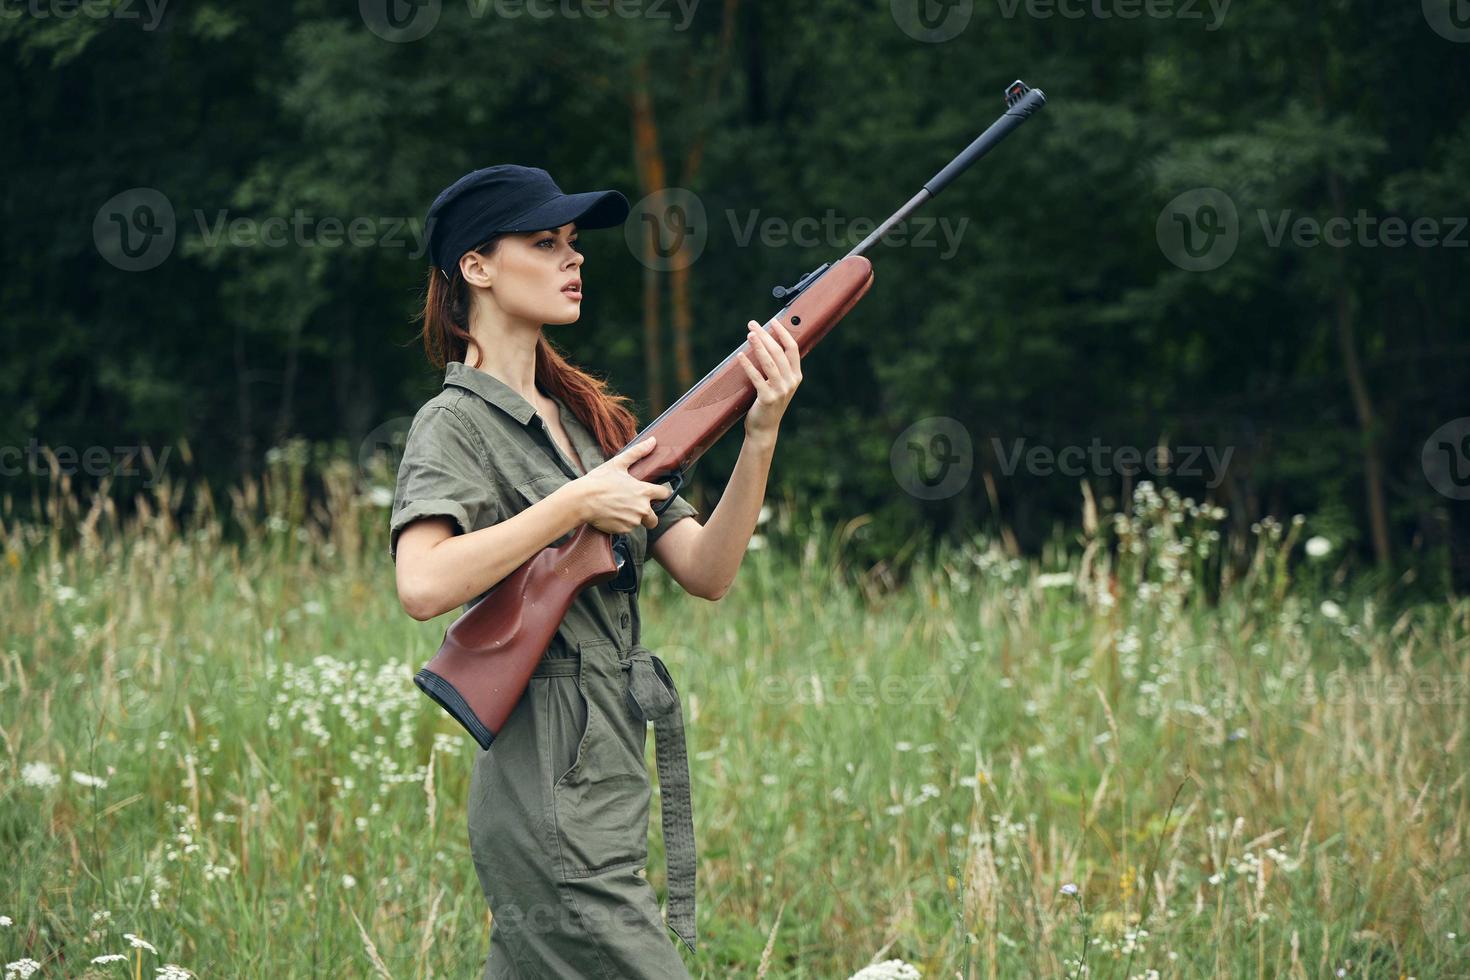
(565, 726)
(600, 803)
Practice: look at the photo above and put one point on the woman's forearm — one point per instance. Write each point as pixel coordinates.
(726, 535)
(464, 565)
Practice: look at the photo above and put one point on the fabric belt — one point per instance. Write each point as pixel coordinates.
(653, 697)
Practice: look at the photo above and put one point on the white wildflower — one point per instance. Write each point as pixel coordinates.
(86, 779)
(1330, 609)
(39, 775)
(110, 958)
(1318, 546)
(888, 970)
(20, 969)
(138, 942)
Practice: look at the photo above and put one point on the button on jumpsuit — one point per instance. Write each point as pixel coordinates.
(559, 803)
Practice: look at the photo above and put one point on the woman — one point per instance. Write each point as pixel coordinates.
(519, 449)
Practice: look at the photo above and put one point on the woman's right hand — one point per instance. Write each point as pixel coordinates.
(617, 501)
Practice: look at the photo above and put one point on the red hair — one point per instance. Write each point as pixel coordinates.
(447, 338)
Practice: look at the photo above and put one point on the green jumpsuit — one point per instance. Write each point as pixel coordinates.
(558, 805)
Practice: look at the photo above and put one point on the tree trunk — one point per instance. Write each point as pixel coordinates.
(651, 178)
(1362, 402)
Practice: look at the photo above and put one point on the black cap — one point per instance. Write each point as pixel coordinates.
(505, 198)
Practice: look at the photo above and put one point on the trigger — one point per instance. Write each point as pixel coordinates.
(676, 481)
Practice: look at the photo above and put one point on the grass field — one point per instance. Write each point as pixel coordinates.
(1129, 762)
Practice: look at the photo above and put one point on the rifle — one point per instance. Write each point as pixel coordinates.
(488, 654)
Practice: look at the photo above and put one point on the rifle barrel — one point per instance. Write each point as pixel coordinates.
(1021, 103)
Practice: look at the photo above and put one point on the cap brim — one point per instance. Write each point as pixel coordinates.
(593, 209)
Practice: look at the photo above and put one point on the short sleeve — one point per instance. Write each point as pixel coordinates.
(442, 473)
(679, 508)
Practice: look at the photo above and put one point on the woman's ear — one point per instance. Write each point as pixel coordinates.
(476, 269)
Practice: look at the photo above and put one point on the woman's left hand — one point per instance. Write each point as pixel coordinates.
(775, 380)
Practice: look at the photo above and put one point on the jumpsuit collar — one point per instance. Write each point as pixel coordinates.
(510, 401)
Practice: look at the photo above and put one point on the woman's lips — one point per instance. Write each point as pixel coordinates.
(572, 293)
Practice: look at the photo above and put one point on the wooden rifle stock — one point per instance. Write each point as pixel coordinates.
(488, 654)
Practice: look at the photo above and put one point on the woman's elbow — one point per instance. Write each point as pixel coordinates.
(714, 594)
(416, 598)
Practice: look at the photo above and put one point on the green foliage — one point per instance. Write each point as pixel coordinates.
(1054, 315)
